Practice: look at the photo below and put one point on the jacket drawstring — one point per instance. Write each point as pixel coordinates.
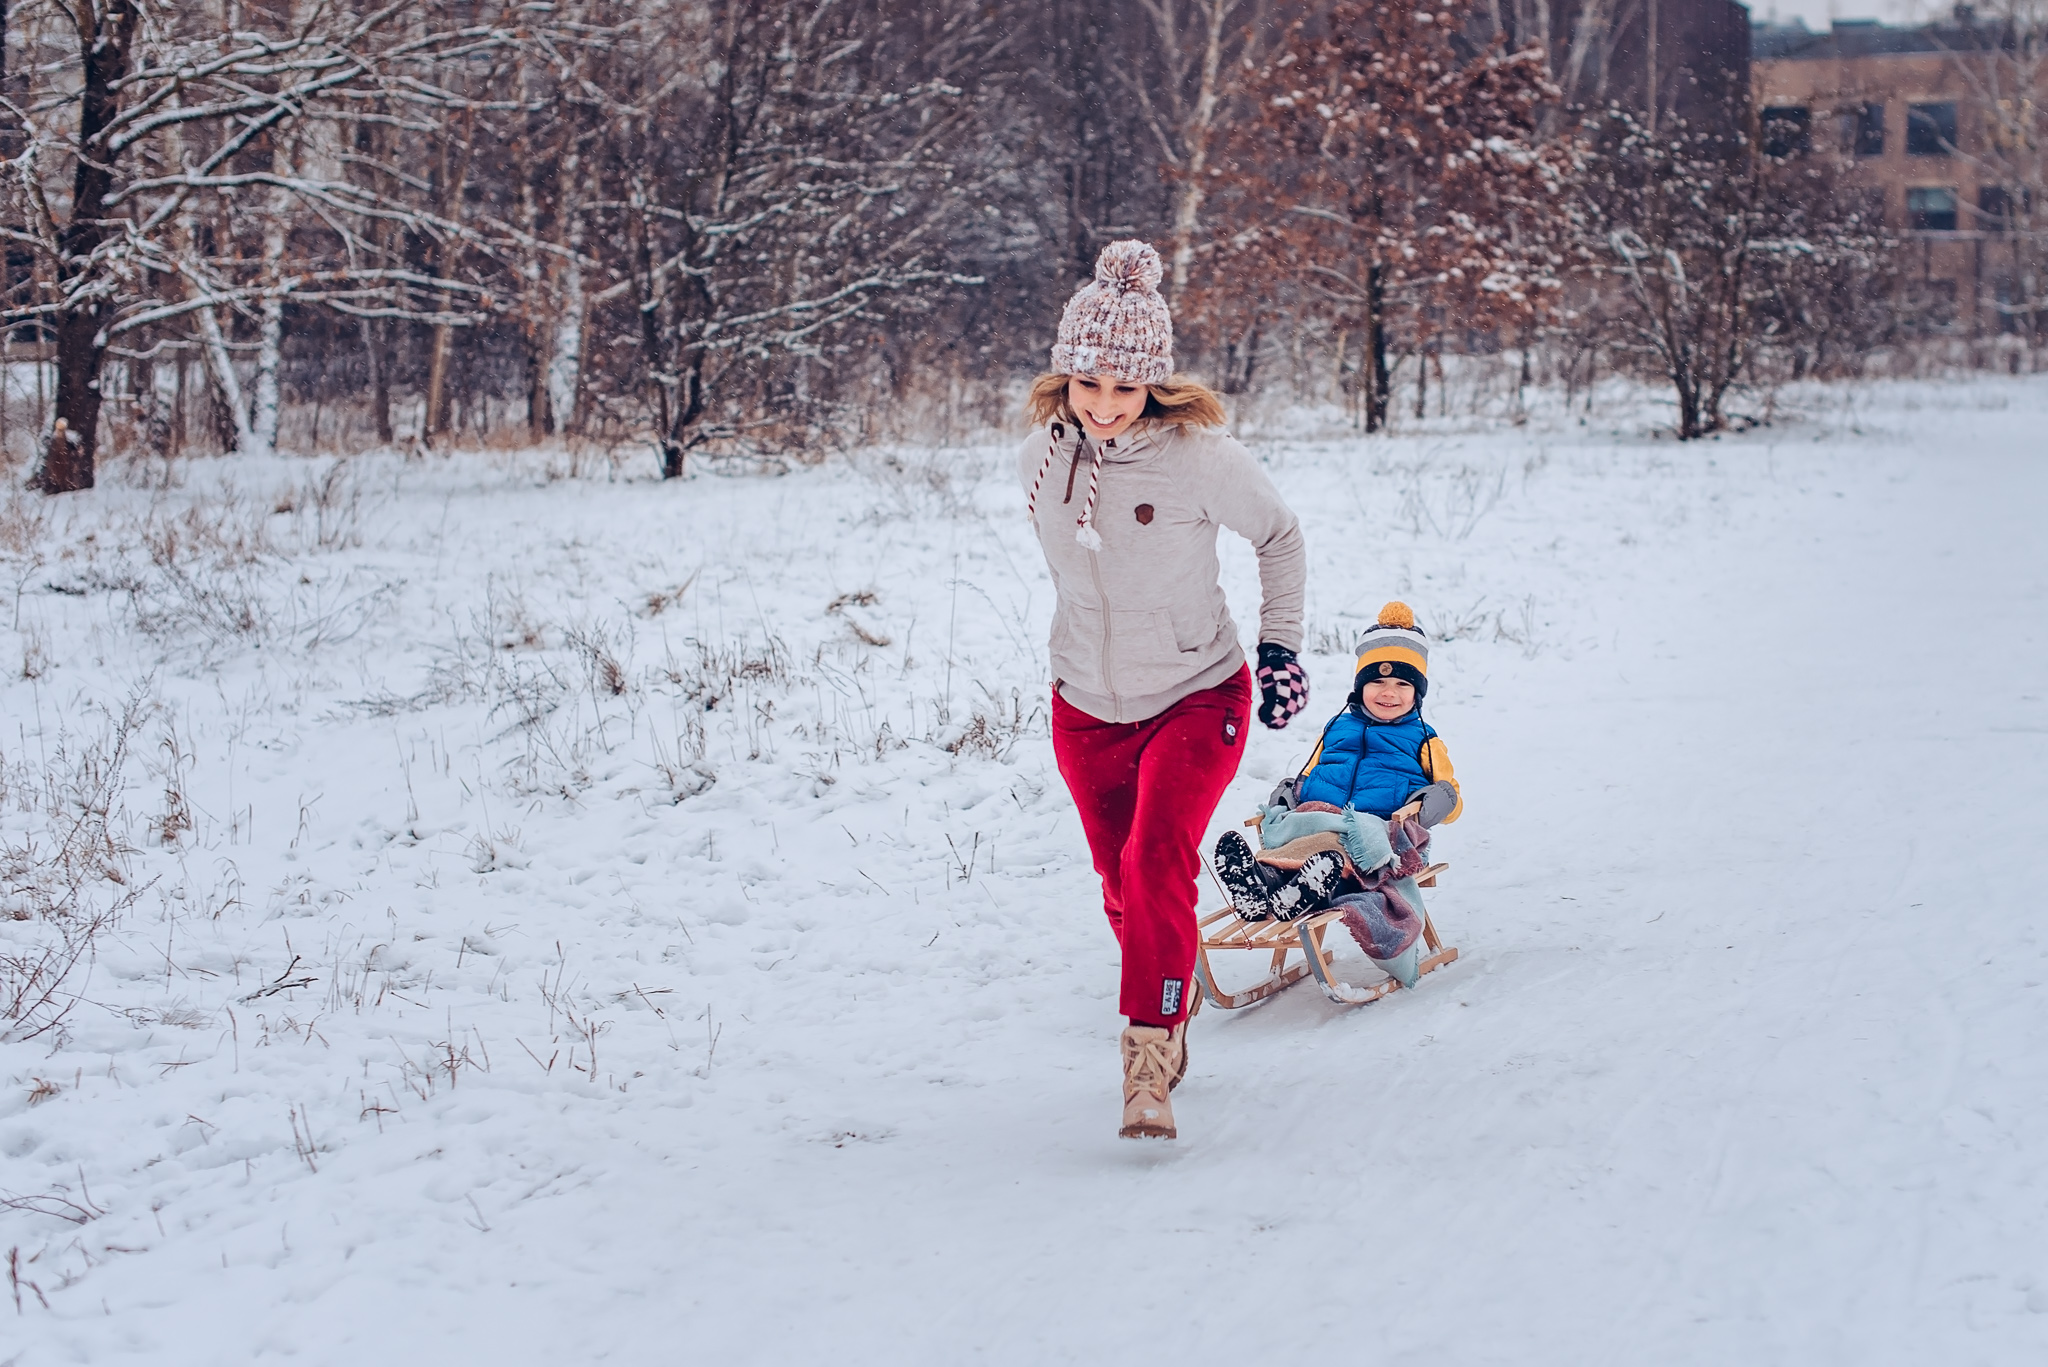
(1052, 446)
(1084, 526)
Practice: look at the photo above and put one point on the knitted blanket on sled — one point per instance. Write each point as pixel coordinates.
(1382, 856)
(1378, 915)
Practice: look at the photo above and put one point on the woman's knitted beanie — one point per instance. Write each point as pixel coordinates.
(1394, 648)
(1117, 325)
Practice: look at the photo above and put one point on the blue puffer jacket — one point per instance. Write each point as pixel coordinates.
(1373, 765)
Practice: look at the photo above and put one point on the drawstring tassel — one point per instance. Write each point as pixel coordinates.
(1088, 537)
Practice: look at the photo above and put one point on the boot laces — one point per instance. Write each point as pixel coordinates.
(1148, 1069)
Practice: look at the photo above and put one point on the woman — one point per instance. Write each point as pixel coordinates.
(1129, 476)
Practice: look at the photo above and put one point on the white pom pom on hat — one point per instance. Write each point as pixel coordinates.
(1129, 265)
(1116, 325)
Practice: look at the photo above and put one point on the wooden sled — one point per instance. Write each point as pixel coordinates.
(1224, 929)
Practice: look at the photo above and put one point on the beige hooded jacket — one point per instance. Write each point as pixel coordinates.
(1141, 623)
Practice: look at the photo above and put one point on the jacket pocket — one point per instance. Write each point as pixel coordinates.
(1077, 647)
(1144, 653)
(1194, 630)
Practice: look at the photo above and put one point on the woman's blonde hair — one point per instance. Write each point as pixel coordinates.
(1182, 401)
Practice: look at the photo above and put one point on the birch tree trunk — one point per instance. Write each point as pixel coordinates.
(270, 337)
(565, 364)
(1181, 101)
(1187, 209)
(220, 364)
(565, 352)
(270, 341)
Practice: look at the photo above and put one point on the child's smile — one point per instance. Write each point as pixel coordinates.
(1387, 699)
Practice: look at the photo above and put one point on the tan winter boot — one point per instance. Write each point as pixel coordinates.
(1151, 1058)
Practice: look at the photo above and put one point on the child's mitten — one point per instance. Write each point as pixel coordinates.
(1283, 684)
(1439, 800)
(1285, 797)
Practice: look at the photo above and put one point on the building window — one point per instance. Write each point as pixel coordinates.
(1863, 131)
(2000, 210)
(1930, 130)
(1785, 129)
(1931, 209)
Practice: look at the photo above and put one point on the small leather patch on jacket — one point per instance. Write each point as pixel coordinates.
(1144, 514)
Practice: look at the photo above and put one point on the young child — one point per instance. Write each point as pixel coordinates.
(1375, 757)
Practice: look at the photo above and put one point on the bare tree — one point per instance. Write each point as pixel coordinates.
(1391, 169)
(2006, 72)
(784, 179)
(1183, 81)
(1713, 251)
(1672, 222)
(153, 137)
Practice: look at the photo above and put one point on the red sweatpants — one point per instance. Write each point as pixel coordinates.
(1146, 791)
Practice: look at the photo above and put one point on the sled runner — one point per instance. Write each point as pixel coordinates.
(1225, 929)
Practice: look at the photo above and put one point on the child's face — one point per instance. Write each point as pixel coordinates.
(1388, 699)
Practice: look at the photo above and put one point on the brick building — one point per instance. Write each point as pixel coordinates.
(1905, 109)
(1670, 59)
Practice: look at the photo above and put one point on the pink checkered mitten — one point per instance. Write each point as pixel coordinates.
(1282, 683)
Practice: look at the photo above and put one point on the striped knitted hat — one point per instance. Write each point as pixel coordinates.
(1116, 324)
(1393, 648)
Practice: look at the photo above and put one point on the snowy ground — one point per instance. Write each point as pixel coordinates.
(591, 944)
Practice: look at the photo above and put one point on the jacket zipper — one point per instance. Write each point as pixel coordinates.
(1108, 634)
(1101, 593)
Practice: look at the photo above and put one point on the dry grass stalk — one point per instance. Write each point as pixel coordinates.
(58, 1202)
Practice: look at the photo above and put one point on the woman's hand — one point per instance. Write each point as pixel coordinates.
(1282, 683)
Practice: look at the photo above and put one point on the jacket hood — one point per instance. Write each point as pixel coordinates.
(1144, 440)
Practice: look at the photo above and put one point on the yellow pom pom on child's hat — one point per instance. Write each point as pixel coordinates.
(1394, 648)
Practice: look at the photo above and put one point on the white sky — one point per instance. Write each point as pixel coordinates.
(1817, 13)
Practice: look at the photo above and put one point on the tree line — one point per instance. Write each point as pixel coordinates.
(742, 225)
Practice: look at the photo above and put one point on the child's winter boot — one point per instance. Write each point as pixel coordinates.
(1311, 887)
(1151, 1059)
(1242, 877)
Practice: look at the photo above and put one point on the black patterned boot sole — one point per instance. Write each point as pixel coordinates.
(1244, 883)
(1311, 887)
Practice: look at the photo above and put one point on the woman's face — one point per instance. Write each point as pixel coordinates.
(1106, 406)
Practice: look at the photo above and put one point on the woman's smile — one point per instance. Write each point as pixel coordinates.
(1106, 406)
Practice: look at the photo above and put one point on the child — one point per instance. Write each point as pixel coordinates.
(1375, 757)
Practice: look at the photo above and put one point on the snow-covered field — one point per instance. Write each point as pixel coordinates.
(559, 918)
